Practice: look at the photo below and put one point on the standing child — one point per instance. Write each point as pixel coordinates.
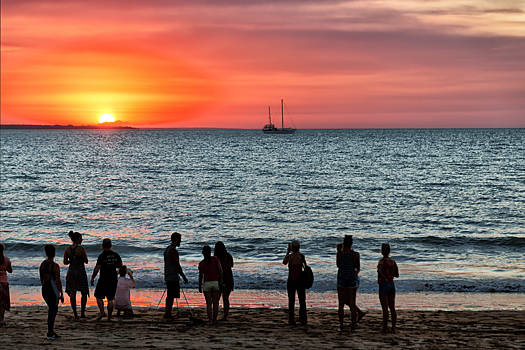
(386, 271)
(51, 288)
(122, 296)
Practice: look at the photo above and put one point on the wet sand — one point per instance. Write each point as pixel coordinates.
(264, 328)
(422, 301)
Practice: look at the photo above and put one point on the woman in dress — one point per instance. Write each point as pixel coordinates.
(76, 279)
(295, 260)
(5, 300)
(51, 288)
(226, 261)
(386, 271)
(348, 264)
(210, 271)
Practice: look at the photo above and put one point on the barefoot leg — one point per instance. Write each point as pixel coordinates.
(383, 298)
(392, 307)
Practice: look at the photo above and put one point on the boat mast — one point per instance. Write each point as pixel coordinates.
(282, 115)
(269, 115)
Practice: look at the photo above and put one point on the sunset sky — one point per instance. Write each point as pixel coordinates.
(336, 64)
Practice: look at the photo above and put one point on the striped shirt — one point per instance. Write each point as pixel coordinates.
(347, 266)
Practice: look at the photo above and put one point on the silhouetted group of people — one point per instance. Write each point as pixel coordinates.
(215, 277)
(215, 280)
(349, 266)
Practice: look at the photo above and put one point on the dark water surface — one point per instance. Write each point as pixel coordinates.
(450, 202)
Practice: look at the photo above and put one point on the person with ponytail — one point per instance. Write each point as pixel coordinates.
(226, 261)
(76, 279)
(5, 300)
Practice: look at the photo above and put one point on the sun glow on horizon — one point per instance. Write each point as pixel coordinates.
(106, 118)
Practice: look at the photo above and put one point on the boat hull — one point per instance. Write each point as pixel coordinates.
(281, 131)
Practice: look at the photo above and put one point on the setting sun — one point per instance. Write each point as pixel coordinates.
(106, 118)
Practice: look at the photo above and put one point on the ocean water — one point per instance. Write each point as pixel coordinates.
(451, 203)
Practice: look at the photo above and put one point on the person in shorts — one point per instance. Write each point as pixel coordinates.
(210, 271)
(172, 270)
(348, 264)
(386, 271)
(107, 263)
(360, 313)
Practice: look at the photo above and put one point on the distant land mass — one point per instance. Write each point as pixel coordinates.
(65, 127)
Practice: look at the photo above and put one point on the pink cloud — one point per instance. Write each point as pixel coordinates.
(337, 64)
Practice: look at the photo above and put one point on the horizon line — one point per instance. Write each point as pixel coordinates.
(117, 127)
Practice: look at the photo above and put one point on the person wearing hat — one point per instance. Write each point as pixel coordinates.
(107, 263)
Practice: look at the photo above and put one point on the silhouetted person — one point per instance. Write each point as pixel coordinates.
(295, 260)
(107, 263)
(172, 270)
(386, 271)
(5, 300)
(348, 264)
(360, 313)
(210, 271)
(76, 279)
(226, 261)
(51, 288)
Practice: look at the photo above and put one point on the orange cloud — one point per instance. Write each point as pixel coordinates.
(78, 83)
(336, 64)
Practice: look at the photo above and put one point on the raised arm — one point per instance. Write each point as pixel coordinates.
(130, 274)
(287, 258)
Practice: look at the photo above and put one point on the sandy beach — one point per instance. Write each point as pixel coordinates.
(264, 328)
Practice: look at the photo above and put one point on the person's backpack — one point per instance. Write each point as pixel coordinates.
(307, 275)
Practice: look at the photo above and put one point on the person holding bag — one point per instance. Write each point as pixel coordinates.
(51, 288)
(295, 261)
